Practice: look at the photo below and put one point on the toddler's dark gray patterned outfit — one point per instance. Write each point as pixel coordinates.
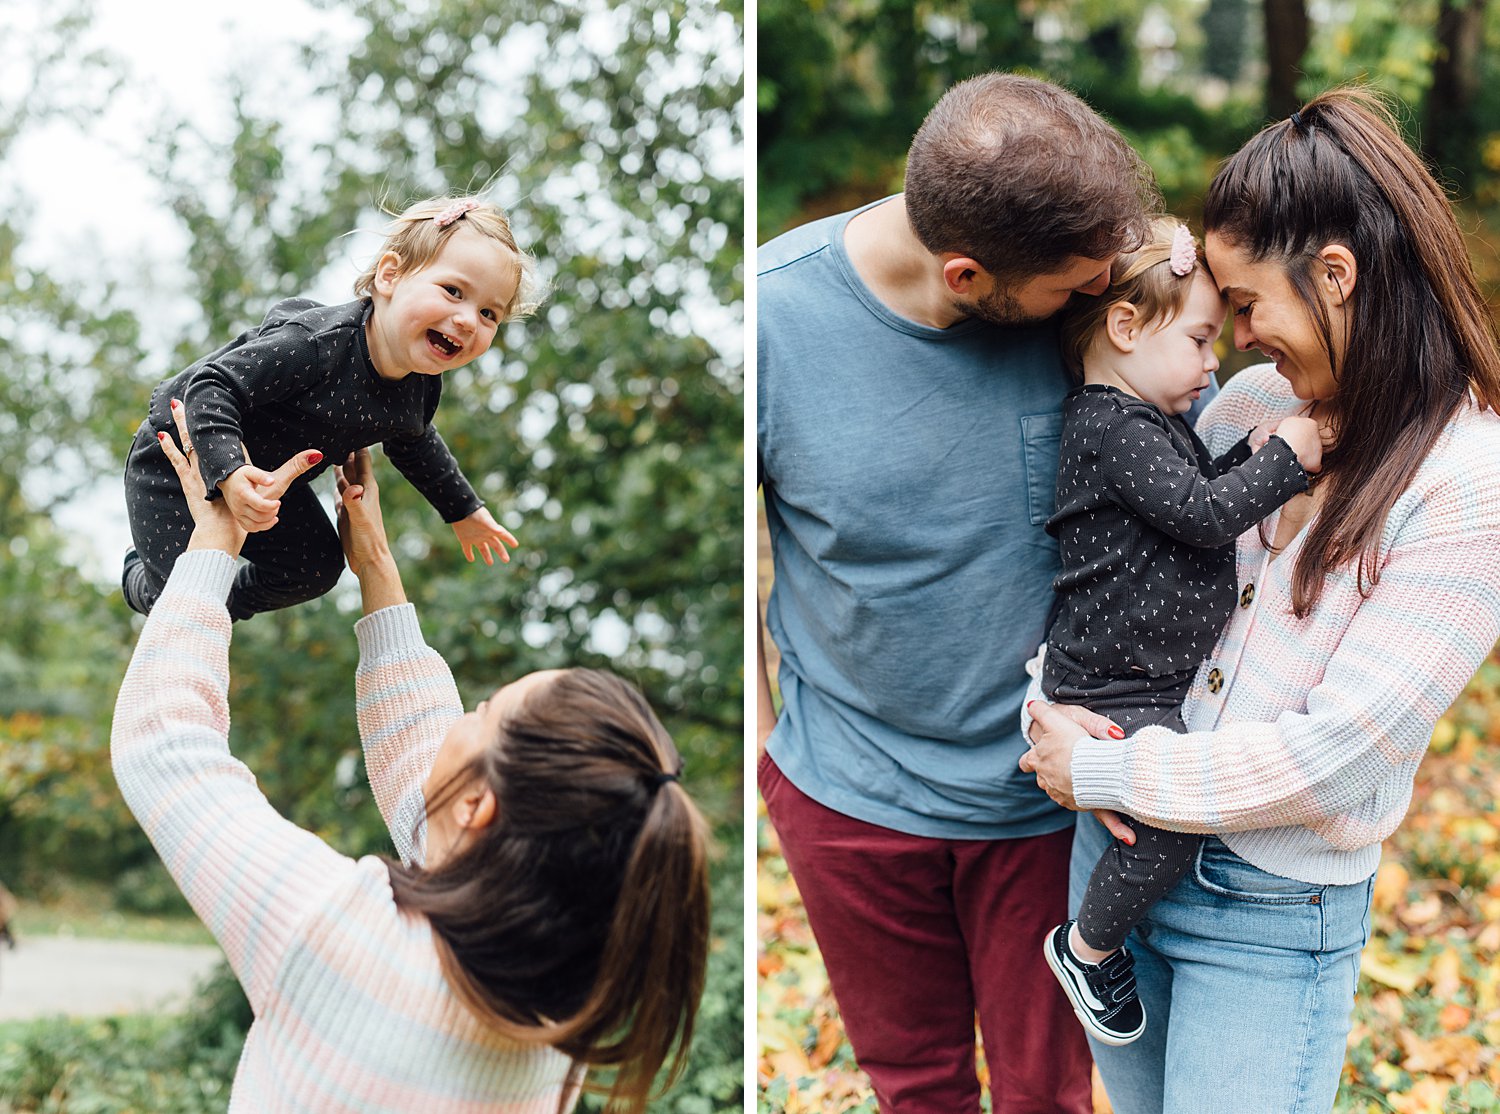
(1145, 524)
(302, 379)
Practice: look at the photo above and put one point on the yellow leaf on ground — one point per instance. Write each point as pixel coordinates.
(1394, 973)
(1454, 1056)
(1423, 912)
(1390, 886)
(1446, 974)
(1386, 1074)
(789, 1063)
(1427, 1096)
(1388, 1004)
(1488, 939)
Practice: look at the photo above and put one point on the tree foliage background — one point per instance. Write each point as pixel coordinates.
(606, 431)
(843, 86)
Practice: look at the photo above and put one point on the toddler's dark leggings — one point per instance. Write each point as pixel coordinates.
(1128, 879)
(298, 559)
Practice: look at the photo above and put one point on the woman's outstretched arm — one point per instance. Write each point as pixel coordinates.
(405, 698)
(250, 874)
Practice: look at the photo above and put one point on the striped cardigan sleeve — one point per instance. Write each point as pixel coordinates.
(1343, 764)
(251, 875)
(405, 701)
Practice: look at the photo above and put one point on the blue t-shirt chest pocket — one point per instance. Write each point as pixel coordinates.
(1041, 438)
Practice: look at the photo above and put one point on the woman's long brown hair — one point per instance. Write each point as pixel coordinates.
(579, 918)
(1419, 337)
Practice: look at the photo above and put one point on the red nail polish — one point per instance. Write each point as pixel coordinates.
(313, 458)
(161, 436)
(1116, 733)
(175, 404)
(1029, 703)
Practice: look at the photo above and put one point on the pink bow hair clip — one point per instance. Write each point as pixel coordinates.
(1184, 255)
(454, 212)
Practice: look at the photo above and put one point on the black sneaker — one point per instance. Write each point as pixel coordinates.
(1103, 994)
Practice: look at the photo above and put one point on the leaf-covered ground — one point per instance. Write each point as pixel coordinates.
(1426, 1035)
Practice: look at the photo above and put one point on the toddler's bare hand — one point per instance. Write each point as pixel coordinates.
(480, 531)
(1302, 434)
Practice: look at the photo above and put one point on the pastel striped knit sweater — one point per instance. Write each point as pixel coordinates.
(1303, 758)
(352, 1013)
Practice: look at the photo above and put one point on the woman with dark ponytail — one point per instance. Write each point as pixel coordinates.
(1365, 606)
(549, 913)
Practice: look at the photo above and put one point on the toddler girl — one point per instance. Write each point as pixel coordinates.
(1146, 523)
(332, 380)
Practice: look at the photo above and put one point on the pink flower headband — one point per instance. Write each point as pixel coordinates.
(1184, 254)
(454, 212)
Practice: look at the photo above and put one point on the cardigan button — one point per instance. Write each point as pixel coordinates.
(1215, 679)
(1247, 596)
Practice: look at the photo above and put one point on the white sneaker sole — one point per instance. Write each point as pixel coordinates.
(1086, 1019)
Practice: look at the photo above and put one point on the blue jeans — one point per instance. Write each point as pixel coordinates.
(1248, 982)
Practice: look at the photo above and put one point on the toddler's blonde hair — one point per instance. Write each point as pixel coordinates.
(414, 237)
(1143, 278)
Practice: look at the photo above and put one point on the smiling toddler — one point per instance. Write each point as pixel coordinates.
(332, 379)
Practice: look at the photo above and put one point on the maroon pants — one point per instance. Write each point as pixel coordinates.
(918, 935)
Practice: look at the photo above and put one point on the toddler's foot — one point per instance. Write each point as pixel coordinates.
(1103, 994)
(133, 581)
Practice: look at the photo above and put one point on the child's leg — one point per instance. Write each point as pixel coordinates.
(297, 560)
(160, 523)
(1128, 880)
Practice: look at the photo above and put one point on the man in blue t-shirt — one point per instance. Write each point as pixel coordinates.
(909, 386)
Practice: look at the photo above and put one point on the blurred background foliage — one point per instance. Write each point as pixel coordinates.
(605, 432)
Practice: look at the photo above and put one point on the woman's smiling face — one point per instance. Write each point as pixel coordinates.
(1269, 314)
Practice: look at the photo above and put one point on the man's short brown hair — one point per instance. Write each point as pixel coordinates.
(1021, 175)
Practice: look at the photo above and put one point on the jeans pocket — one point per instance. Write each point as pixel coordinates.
(1220, 871)
(1041, 434)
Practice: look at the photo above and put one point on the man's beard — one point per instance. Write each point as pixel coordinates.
(1000, 307)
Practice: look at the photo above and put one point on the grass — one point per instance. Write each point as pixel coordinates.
(86, 909)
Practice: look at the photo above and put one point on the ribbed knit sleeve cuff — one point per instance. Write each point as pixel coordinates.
(1099, 773)
(208, 573)
(389, 630)
(1295, 477)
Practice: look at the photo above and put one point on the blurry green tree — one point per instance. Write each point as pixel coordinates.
(844, 84)
(606, 431)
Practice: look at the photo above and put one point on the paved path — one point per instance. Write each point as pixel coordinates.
(48, 975)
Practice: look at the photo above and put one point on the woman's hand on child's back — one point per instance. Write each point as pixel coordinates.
(1306, 441)
(481, 531)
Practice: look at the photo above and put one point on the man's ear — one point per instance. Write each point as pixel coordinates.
(387, 271)
(960, 273)
(1339, 273)
(475, 808)
(1122, 325)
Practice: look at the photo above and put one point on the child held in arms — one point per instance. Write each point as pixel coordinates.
(312, 384)
(1146, 522)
